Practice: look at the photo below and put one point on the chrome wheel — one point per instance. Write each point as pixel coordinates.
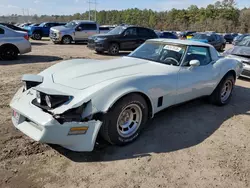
(226, 90)
(129, 120)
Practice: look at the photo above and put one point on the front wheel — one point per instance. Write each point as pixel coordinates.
(113, 49)
(223, 93)
(125, 120)
(66, 40)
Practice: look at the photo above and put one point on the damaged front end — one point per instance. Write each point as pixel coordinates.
(84, 113)
(54, 117)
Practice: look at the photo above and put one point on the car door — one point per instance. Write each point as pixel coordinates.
(129, 39)
(47, 30)
(83, 31)
(196, 81)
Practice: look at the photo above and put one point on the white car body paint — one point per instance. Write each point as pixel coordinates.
(101, 83)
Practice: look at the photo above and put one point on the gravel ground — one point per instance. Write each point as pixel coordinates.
(192, 145)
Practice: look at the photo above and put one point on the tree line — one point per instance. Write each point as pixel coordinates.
(222, 16)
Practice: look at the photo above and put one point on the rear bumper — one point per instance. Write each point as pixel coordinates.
(24, 47)
(42, 127)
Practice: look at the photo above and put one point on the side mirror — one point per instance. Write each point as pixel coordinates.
(78, 29)
(194, 63)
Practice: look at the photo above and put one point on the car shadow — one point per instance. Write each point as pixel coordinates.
(28, 59)
(173, 129)
(38, 43)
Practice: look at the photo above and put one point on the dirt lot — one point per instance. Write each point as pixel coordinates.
(192, 145)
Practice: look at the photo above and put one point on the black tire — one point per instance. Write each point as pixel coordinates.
(113, 49)
(221, 48)
(37, 35)
(8, 52)
(67, 40)
(109, 130)
(216, 97)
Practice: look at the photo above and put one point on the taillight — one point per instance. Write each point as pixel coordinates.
(26, 37)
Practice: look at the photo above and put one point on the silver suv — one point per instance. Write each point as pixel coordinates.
(13, 43)
(76, 30)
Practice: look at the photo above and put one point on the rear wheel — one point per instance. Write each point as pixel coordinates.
(113, 49)
(8, 52)
(37, 35)
(222, 94)
(66, 40)
(125, 120)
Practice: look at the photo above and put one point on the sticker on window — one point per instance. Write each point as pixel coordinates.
(173, 48)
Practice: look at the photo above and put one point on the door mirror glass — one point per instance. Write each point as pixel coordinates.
(79, 29)
(194, 63)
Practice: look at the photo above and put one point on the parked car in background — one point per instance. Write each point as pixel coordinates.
(72, 102)
(43, 30)
(241, 52)
(166, 34)
(229, 38)
(24, 25)
(187, 34)
(31, 25)
(239, 39)
(122, 38)
(104, 29)
(13, 43)
(13, 27)
(76, 30)
(234, 34)
(212, 38)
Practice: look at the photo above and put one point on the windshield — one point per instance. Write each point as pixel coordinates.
(42, 24)
(117, 31)
(165, 53)
(244, 42)
(70, 25)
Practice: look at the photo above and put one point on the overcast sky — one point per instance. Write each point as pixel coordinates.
(73, 6)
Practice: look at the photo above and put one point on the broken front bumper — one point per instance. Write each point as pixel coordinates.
(42, 127)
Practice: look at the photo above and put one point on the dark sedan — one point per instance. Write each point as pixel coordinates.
(212, 38)
(166, 35)
(122, 38)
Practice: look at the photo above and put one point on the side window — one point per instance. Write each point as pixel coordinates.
(142, 32)
(130, 32)
(1, 31)
(88, 26)
(211, 38)
(217, 37)
(198, 53)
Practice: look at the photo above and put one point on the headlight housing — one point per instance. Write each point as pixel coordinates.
(47, 102)
(100, 39)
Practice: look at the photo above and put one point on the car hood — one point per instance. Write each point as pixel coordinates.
(61, 28)
(80, 74)
(241, 51)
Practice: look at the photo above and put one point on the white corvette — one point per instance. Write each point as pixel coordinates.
(72, 102)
